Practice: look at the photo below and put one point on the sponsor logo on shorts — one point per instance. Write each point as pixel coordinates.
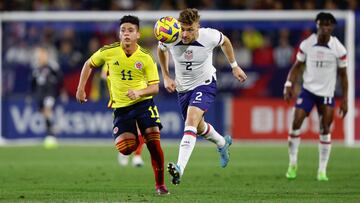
(299, 101)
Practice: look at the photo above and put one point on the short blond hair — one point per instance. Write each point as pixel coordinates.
(189, 16)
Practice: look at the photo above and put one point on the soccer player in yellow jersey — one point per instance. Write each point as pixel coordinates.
(123, 160)
(133, 80)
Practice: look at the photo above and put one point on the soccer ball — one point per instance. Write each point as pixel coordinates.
(167, 29)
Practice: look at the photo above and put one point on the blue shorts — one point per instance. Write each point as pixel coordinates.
(306, 101)
(202, 97)
(144, 114)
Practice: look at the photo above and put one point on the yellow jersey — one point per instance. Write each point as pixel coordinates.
(123, 73)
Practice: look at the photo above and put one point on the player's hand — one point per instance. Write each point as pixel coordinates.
(239, 74)
(133, 94)
(343, 108)
(169, 84)
(288, 94)
(81, 96)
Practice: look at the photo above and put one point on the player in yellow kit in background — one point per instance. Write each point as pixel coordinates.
(133, 80)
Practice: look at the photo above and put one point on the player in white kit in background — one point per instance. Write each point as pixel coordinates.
(324, 58)
(195, 82)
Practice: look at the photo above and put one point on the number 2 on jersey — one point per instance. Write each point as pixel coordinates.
(188, 64)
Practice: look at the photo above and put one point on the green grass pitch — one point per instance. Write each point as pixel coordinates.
(255, 174)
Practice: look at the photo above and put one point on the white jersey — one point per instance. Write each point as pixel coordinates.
(193, 62)
(321, 64)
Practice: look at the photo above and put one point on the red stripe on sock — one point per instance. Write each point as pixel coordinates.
(322, 142)
(208, 129)
(190, 133)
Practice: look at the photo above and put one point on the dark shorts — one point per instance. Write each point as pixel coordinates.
(307, 100)
(144, 114)
(201, 97)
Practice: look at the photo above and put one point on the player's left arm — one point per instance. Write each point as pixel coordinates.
(150, 90)
(228, 51)
(344, 87)
(152, 76)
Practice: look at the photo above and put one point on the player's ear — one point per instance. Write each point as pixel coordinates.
(138, 35)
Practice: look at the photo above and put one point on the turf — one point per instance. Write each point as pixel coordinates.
(255, 174)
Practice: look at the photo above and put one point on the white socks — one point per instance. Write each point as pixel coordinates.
(213, 136)
(324, 151)
(187, 145)
(294, 142)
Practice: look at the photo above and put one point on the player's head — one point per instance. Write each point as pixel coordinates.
(325, 23)
(129, 29)
(41, 56)
(189, 22)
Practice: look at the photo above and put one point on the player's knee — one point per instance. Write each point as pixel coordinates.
(151, 137)
(127, 146)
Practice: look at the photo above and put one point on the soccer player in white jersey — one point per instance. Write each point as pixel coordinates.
(195, 82)
(324, 58)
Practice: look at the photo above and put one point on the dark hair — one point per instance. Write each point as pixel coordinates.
(130, 19)
(189, 16)
(322, 16)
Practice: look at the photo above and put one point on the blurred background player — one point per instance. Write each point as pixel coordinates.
(46, 80)
(133, 80)
(324, 57)
(195, 82)
(123, 160)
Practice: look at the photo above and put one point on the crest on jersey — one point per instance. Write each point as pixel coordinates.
(188, 55)
(320, 55)
(138, 65)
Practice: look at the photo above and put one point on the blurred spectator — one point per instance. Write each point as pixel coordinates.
(19, 53)
(330, 5)
(283, 52)
(263, 56)
(69, 58)
(252, 38)
(121, 5)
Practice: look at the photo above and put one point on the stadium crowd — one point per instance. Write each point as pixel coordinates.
(258, 48)
(36, 5)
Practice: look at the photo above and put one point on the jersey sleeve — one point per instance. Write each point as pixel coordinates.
(301, 54)
(216, 37)
(98, 59)
(341, 55)
(151, 71)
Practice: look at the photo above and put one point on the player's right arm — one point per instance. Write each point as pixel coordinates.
(163, 55)
(293, 76)
(84, 76)
(96, 60)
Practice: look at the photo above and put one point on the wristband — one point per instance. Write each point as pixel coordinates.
(288, 84)
(234, 64)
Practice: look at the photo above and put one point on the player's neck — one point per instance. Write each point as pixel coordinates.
(323, 39)
(129, 49)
